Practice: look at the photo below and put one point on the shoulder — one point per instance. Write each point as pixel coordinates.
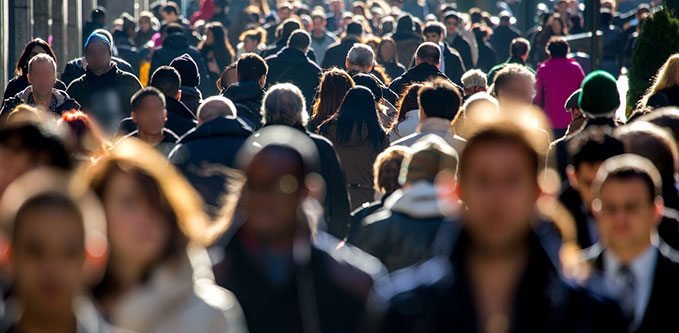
(216, 307)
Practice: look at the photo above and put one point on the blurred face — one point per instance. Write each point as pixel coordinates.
(337, 6)
(581, 180)
(150, 115)
(98, 57)
(625, 214)
(145, 25)
(388, 51)
(519, 90)
(451, 26)
(250, 45)
(318, 24)
(209, 37)
(14, 162)
(168, 17)
(48, 259)
(42, 77)
(284, 14)
(432, 37)
(138, 231)
(273, 195)
(556, 26)
(499, 190)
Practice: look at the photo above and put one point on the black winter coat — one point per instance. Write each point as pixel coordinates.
(336, 54)
(417, 74)
(454, 66)
(74, 69)
(247, 96)
(292, 65)
(204, 154)
(179, 119)
(173, 46)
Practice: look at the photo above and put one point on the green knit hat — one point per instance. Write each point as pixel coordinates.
(599, 96)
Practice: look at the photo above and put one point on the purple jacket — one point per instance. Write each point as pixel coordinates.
(556, 80)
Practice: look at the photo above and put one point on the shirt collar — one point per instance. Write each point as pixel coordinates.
(642, 266)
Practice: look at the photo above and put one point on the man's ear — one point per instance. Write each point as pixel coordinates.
(5, 251)
(572, 177)
(262, 80)
(165, 114)
(346, 62)
(179, 95)
(659, 210)
(29, 78)
(134, 116)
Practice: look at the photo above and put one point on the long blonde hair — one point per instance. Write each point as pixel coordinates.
(663, 79)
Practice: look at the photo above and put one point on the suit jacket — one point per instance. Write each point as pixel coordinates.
(660, 315)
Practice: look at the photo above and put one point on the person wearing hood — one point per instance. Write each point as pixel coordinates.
(292, 65)
(175, 45)
(358, 138)
(406, 38)
(158, 278)
(77, 67)
(284, 105)
(248, 92)
(180, 119)
(195, 154)
(189, 73)
(427, 60)
(104, 91)
(42, 75)
(402, 231)
(277, 263)
(20, 81)
(337, 52)
(439, 103)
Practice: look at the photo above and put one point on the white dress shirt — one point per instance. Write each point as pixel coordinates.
(643, 269)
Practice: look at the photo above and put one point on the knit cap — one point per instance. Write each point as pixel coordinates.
(599, 97)
(188, 70)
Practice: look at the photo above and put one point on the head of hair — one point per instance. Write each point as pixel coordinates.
(474, 78)
(171, 8)
(257, 34)
(173, 28)
(216, 107)
(593, 145)
(354, 29)
(451, 15)
(387, 168)
(251, 67)
(628, 167)
(653, 143)
(221, 44)
(356, 115)
(333, 86)
(286, 28)
(167, 80)
(606, 17)
(506, 133)
(41, 59)
(667, 118)
(509, 73)
(139, 96)
(371, 82)
(664, 79)
(519, 47)
(428, 52)
(440, 99)
(408, 101)
(361, 55)
(436, 28)
(430, 156)
(284, 104)
(557, 47)
(86, 132)
(22, 64)
(98, 13)
(52, 202)
(299, 39)
(383, 42)
(43, 145)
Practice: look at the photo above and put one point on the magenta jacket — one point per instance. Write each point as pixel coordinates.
(556, 80)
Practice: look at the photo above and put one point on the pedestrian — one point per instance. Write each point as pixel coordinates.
(408, 117)
(190, 74)
(156, 229)
(386, 57)
(320, 291)
(665, 88)
(336, 53)
(519, 50)
(149, 113)
(556, 79)
(358, 138)
(204, 154)
(292, 65)
(42, 75)
(174, 45)
(427, 59)
(514, 84)
(451, 62)
(247, 93)
(473, 81)
(334, 85)
(217, 53)
(406, 38)
(401, 233)
(104, 91)
(503, 35)
(20, 81)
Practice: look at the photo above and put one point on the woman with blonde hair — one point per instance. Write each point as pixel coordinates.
(665, 88)
(159, 277)
(334, 85)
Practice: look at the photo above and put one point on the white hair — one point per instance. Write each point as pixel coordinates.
(42, 58)
(361, 55)
(216, 107)
(474, 78)
(284, 104)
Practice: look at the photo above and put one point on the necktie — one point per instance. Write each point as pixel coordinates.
(628, 292)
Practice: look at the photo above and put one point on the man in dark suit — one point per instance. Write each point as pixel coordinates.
(628, 207)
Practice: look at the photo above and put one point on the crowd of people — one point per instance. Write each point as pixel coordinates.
(400, 166)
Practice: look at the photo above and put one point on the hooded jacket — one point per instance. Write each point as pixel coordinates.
(401, 233)
(357, 158)
(205, 153)
(247, 97)
(174, 46)
(292, 65)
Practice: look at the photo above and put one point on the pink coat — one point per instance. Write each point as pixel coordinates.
(556, 80)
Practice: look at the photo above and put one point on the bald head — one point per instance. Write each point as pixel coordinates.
(216, 107)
